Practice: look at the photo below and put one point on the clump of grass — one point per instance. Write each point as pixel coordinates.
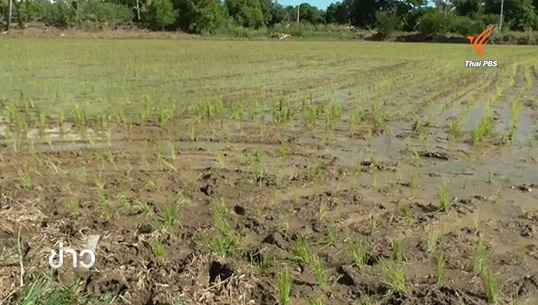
(454, 130)
(374, 223)
(44, 290)
(333, 115)
(222, 240)
(301, 251)
(514, 119)
(170, 214)
(418, 127)
(159, 250)
(355, 119)
(74, 207)
(441, 266)
(25, 178)
(319, 270)
(284, 287)
(265, 263)
(144, 208)
(484, 128)
(444, 201)
(433, 240)
(490, 285)
(315, 302)
(406, 211)
(359, 251)
(393, 276)
(281, 112)
(332, 235)
(258, 167)
(413, 180)
(480, 257)
(398, 254)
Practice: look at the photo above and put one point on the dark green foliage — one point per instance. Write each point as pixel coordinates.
(387, 23)
(336, 13)
(159, 14)
(245, 18)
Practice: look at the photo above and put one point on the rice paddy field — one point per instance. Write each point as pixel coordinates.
(269, 172)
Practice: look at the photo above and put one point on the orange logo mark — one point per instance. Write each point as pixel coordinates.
(479, 43)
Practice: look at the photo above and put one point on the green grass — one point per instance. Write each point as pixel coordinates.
(121, 74)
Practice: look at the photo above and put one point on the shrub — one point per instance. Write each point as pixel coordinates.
(159, 14)
(387, 23)
(433, 23)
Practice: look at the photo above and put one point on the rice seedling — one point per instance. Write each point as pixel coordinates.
(74, 207)
(332, 235)
(398, 254)
(433, 240)
(315, 302)
(454, 130)
(319, 270)
(159, 250)
(406, 211)
(484, 128)
(414, 180)
(514, 119)
(444, 202)
(374, 223)
(144, 208)
(393, 276)
(301, 251)
(284, 287)
(441, 267)
(359, 251)
(265, 263)
(490, 286)
(479, 259)
(222, 239)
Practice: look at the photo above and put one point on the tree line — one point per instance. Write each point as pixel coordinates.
(464, 17)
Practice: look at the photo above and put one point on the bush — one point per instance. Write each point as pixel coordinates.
(464, 25)
(159, 14)
(433, 23)
(252, 17)
(104, 12)
(387, 23)
(63, 14)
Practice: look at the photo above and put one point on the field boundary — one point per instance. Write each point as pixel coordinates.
(47, 32)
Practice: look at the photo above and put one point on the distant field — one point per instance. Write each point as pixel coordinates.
(227, 172)
(59, 73)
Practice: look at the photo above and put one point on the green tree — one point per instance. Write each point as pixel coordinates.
(434, 22)
(311, 14)
(519, 14)
(159, 14)
(468, 7)
(245, 13)
(362, 12)
(336, 13)
(200, 16)
(252, 17)
(387, 23)
(279, 14)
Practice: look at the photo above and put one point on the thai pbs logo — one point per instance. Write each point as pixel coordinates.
(479, 44)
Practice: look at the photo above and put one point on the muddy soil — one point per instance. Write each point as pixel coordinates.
(215, 212)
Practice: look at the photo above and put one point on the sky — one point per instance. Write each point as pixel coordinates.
(322, 4)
